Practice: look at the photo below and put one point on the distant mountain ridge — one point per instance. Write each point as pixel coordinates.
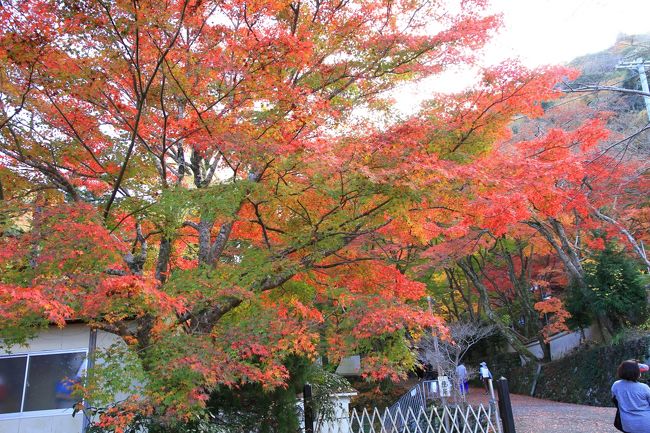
(629, 111)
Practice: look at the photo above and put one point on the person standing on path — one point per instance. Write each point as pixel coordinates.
(461, 377)
(633, 398)
(484, 371)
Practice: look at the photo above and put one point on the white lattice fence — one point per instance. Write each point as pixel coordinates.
(459, 419)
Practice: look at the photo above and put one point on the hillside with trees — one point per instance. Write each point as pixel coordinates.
(569, 268)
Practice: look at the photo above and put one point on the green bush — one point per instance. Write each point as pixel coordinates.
(249, 408)
(377, 394)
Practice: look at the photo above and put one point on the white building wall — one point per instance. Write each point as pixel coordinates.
(74, 337)
(340, 422)
(564, 342)
(535, 349)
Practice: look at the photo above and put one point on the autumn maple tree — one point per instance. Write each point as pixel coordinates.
(216, 183)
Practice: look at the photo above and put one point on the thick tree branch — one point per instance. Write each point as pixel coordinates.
(635, 245)
(469, 271)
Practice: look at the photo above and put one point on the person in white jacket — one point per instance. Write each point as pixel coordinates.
(485, 374)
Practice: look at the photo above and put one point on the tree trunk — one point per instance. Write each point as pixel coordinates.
(571, 261)
(470, 273)
(522, 290)
(455, 285)
(546, 347)
(205, 240)
(162, 264)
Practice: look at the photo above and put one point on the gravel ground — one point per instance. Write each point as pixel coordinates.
(533, 415)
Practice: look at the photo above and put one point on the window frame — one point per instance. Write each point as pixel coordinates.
(37, 413)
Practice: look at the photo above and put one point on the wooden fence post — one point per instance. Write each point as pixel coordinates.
(505, 407)
(308, 409)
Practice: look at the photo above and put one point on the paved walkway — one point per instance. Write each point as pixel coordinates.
(534, 415)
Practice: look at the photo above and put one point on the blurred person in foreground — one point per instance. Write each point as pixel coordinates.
(632, 397)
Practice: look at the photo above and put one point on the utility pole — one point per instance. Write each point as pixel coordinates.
(90, 366)
(436, 349)
(639, 65)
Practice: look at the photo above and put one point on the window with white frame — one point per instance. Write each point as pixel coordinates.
(39, 381)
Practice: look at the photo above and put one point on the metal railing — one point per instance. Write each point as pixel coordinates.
(448, 419)
(415, 399)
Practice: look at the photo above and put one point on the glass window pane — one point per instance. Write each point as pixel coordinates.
(50, 381)
(12, 379)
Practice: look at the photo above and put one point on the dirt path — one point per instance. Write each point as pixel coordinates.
(534, 415)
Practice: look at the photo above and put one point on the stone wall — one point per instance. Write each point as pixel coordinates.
(583, 377)
(586, 376)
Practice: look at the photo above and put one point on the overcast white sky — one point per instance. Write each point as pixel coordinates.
(556, 31)
(542, 32)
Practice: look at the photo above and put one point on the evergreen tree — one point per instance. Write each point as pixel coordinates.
(614, 288)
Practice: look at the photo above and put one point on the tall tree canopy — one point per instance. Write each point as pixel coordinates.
(216, 183)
